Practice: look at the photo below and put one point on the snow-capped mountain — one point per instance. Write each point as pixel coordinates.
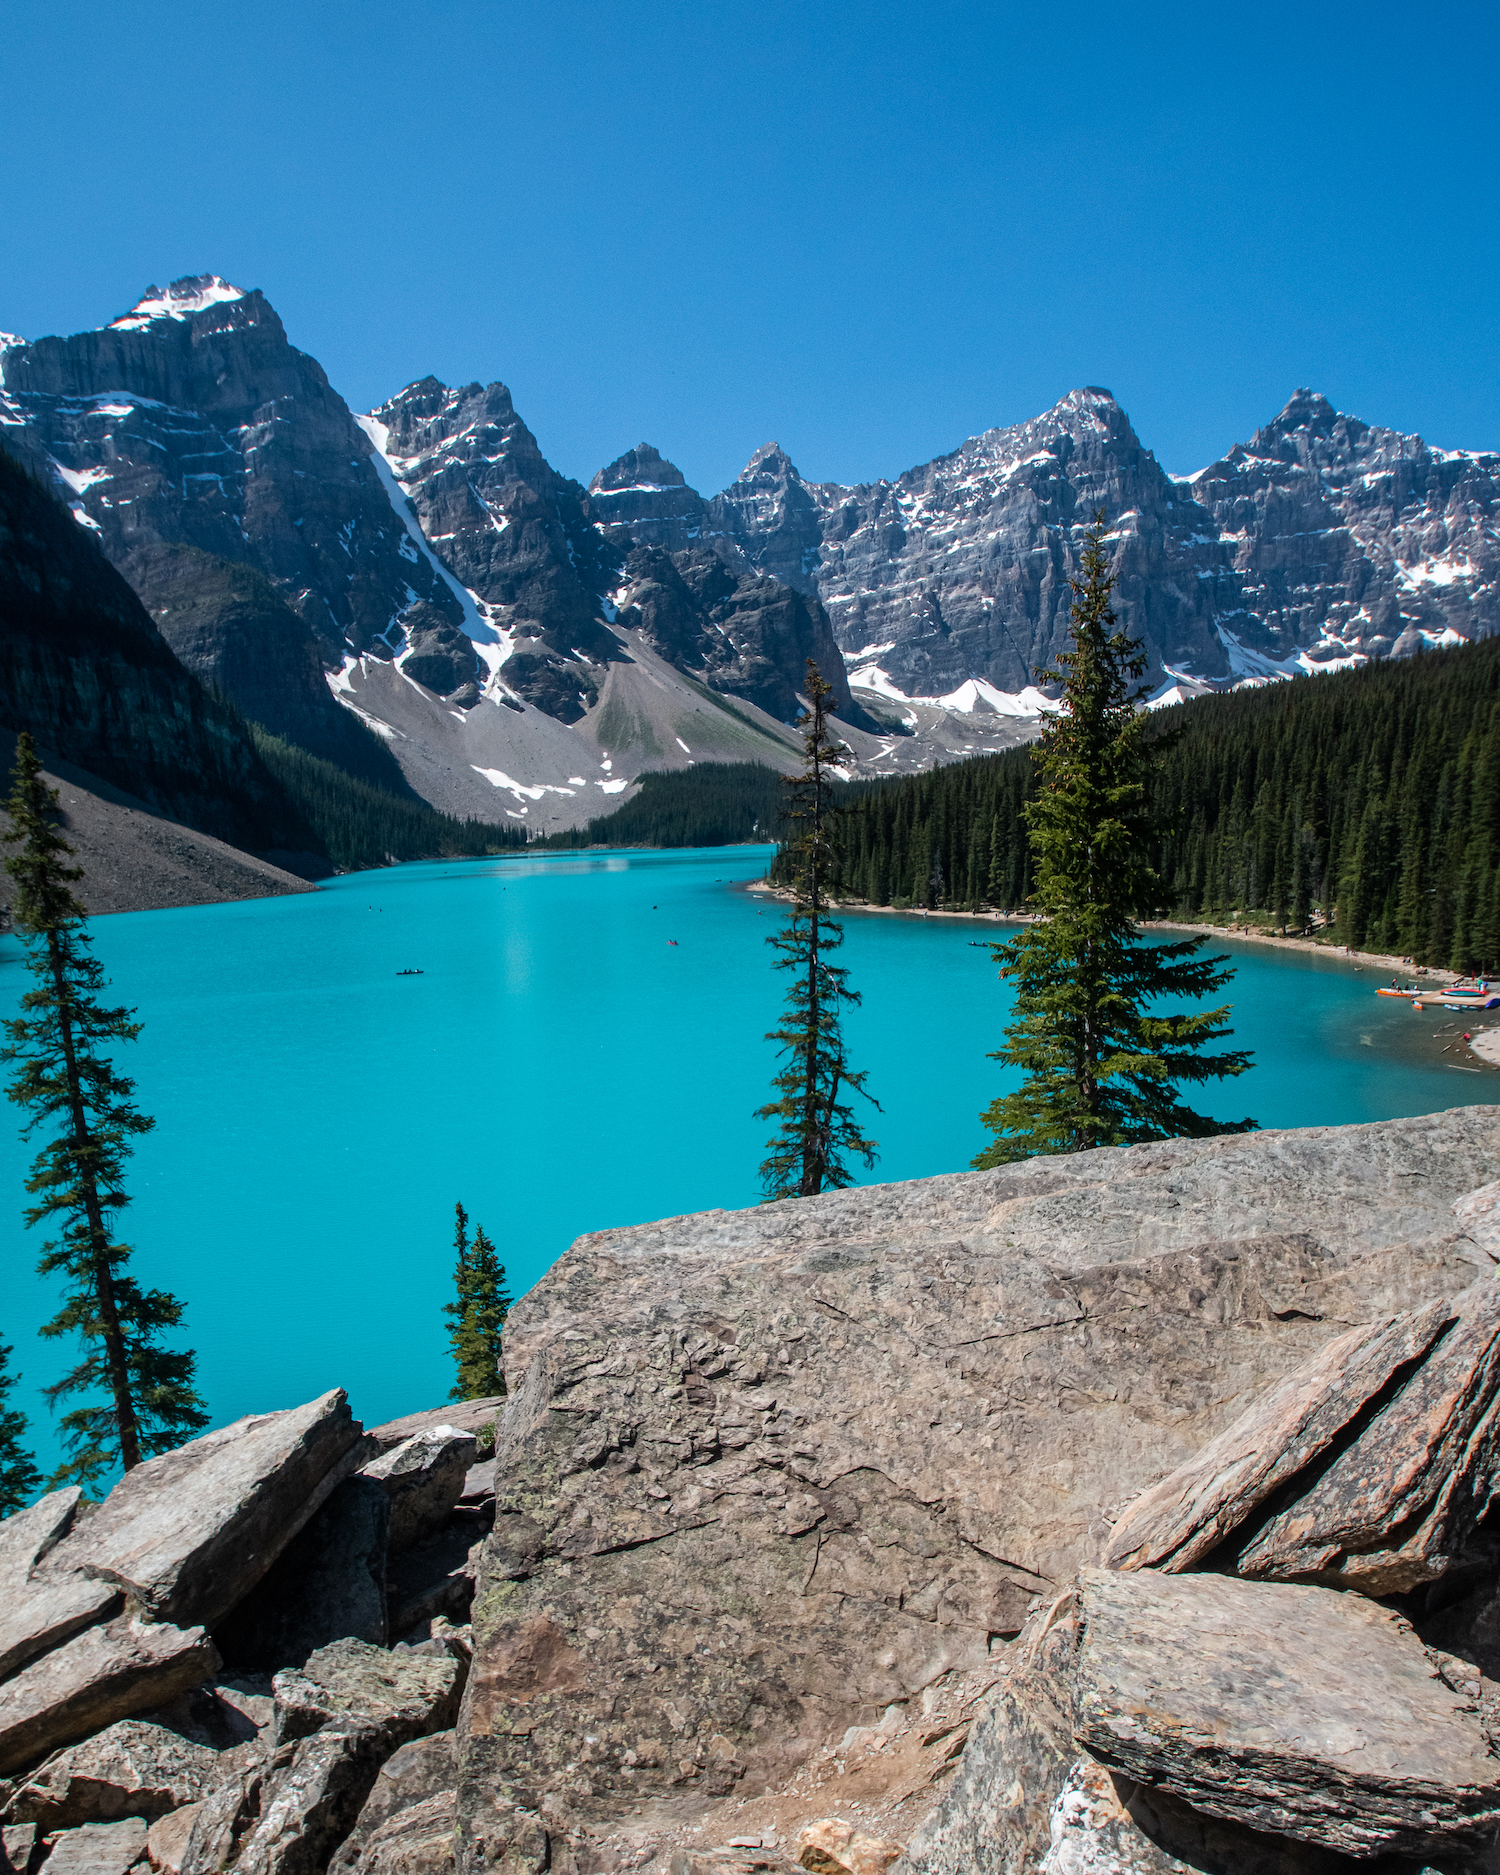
(1323, 539)
(1350, 541)
(522, 646)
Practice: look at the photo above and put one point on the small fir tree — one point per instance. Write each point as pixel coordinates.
(817, 1132)
(66, 1080)
(19, 1478)
(1100, 1069)
(477, 1314)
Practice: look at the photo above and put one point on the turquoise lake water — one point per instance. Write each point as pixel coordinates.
(559, 1067)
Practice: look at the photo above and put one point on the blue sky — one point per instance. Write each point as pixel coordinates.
(867, 231)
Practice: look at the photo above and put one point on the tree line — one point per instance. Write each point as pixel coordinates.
(1367, 801)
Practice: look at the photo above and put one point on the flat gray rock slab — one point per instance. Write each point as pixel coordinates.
(98, 1848)
(36, 1614)
(188, 1534)
(105, 1673)
(423, 1478)
(131, 1768)
(1295, 1710)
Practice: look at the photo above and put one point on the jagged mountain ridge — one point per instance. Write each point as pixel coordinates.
(327, 571)
(1323, 538)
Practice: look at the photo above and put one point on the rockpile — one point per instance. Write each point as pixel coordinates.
(195, 1672)
(1126, 1512)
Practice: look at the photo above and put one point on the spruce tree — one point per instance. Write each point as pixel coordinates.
(816, 1130)
(1101, 1069)
(477, 1314)
(19, 1477)
(66, 1080)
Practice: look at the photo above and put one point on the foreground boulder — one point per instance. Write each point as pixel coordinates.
(188, 1534)
(1293, 1710)
(104, 1674)
(764, 1476)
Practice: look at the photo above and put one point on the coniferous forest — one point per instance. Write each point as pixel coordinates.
(1365, 801)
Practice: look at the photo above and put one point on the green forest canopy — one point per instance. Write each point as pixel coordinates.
(1369, 797)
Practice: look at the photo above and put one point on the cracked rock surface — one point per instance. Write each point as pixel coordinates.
(768, 1477)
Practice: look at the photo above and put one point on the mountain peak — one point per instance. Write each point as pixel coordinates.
(194, 293)
(1304, 410)
(769, 461)
(643, 467)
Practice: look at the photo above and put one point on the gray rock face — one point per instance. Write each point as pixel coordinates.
(763, 1474)
(229, 483)
(327, 1585)
(422, 1479)
(960, 568)
(643, 500)
(133, 1768)
(1299, 1710)
(1349, 538)
(1321, 538)
(419, 1840)
(468, 1415)
(105, 1673)
(188, 1534)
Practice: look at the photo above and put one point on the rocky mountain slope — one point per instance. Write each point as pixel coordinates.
(1322, 538)
(83, 667)
(523, 646)
(1121, 1513)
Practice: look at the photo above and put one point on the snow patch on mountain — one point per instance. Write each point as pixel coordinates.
(180, 300)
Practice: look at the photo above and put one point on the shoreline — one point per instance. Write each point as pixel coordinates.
(1338, 952)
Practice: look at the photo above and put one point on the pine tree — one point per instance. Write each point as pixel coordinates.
(1100, 1070)
(66, 1080)
(19, 1477)
(477, 1314)
(816, 1130)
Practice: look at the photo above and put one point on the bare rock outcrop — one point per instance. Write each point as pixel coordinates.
(423, 1478)
(765, 1476)
(131, 1768)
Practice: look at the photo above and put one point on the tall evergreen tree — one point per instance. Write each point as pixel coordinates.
(1100, 1070)
(477, 1314)
(19, 1477)
(66, 1080)
(816, 1130)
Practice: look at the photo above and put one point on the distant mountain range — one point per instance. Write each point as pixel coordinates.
(522, 646)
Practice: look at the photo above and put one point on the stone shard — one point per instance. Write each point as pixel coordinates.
(19, 1849)
(867, 1430)
(413, 1776)
(188, 1534)
(168, 1837)
(329, 1584)
(104, 1674)
(833, 1847)
(1399, 1504)
(423, 1478)
(1478, 1214)
(99, 1848)
(1176, 1523)
(223, 1820)
(308, 1807)
(131, 1768)
(419, 1840)
(38, 1613)
(1282, 1708)
(403, 1695)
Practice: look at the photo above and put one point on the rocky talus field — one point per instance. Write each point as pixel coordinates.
(1124, 1513)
